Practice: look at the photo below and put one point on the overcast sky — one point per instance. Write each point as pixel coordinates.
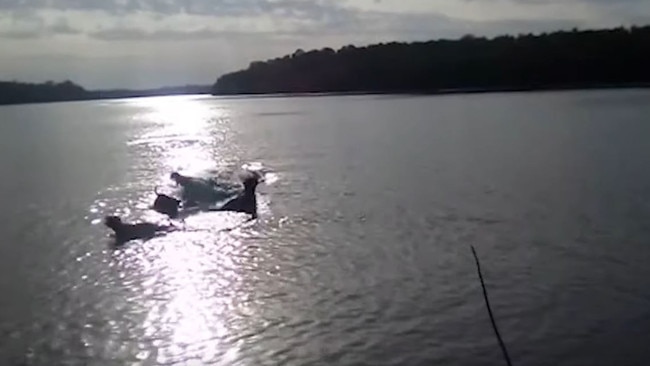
(150, 43)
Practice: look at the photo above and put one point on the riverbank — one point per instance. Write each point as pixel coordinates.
(443, 91)
(16, 93)
(360, 93)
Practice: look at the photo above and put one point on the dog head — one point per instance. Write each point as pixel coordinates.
(250, 182)
(179, 178)
(113, 222)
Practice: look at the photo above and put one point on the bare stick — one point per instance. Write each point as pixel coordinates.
(489, 309)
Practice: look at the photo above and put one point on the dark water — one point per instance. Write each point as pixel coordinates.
(361, 253)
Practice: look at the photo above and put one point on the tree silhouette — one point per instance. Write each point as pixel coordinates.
(564, 59)
(15, 92)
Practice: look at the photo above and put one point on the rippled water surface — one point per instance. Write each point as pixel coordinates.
(360, 255)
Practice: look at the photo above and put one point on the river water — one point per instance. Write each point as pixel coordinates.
(361, 253)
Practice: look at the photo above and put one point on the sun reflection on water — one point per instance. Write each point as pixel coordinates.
(184, 131)
(196, 307)
(189, 278)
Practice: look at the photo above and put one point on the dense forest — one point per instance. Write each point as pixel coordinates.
(564, 59)
(12, 92)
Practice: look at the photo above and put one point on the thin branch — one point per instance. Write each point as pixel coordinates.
(487, 303)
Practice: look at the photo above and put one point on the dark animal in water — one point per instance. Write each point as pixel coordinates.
(245, 202)
(126, 232)
(196, 191)
(166, 205)
(187, 182)
(180, 179)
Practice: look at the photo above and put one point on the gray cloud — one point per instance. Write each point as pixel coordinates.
(32, 26)
(606, 2)
(20, 34)
(137, 34)
(61, 26)
(311, 14)
(630, 8)
(427, 26)
(327, 18)
(372, 25)
(315, 9)
(323, 16)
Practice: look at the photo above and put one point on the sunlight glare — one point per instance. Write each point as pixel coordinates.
(183, 129)
(195, 277)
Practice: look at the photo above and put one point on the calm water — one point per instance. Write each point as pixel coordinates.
(361, 253)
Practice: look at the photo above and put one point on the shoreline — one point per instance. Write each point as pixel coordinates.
(443, 91)
(620, 86)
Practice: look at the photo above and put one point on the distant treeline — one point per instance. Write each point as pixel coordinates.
(17, 93)
(175, 90)
(565, 59)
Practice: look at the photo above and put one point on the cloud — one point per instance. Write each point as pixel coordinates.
(354, 24)
(172, 20)
(139, 34)
(61, 26)
(571, 1)
(19, 34)
(617, 10)
(307, 9)
(181, 20)
(26, 24)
